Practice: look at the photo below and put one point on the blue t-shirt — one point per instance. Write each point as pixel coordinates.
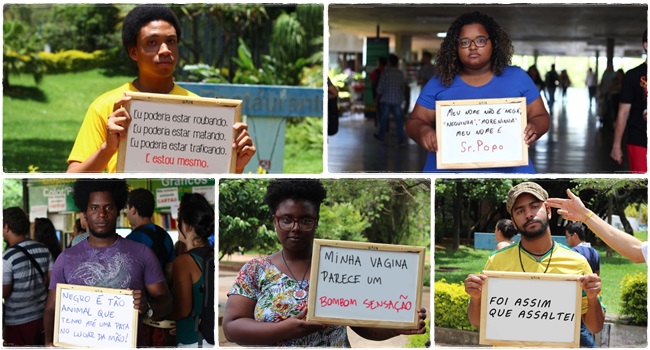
(143, 238)
(514, 82)
(591, 254)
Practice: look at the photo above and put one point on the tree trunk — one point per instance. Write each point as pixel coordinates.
(458, 199)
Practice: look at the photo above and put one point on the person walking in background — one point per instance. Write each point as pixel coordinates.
(427, 70)
(473, 63)
(533, 73)
(605, 109)
(565, 82)
(391, 96)
(633, 117)
(45, 233)
(575, 237)
(504, 231)
(26, 270)
(552, 80)
(591, 81)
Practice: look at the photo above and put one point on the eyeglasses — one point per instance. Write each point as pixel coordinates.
(478, 41)
(304, 224)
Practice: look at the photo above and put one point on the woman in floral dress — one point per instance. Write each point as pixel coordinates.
(267, 304)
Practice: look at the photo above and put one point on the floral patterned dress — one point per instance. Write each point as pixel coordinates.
(274, 291)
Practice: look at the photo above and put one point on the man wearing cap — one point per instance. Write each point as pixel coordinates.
(538, 253)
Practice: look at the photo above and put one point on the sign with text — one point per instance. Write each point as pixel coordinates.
(481, 133)
(98, 317)
(179, 134)
(365, 284)
(530, 309)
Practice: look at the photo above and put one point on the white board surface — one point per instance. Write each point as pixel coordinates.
(367, 284)
(179, 134)
(94, 317)
(481, 133)
(516, 307)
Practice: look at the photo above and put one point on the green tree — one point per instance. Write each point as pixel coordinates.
(244, 221)
(12, 193)
(21, 45)
(84, 27)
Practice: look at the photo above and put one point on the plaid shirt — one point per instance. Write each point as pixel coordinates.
(391, 86)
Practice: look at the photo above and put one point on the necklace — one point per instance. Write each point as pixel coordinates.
(301, 293)
(547, 264)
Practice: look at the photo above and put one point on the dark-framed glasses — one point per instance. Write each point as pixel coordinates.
(479, 41)
(304, 224)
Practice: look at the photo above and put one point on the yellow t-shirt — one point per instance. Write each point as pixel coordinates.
(92, 133)
(563, 260)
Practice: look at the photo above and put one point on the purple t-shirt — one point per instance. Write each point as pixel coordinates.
(125, 264)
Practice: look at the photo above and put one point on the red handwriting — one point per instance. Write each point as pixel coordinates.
(342, 302)
(180, 161)
(397, 305)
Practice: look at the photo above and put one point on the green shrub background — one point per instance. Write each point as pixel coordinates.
(450, 306)
(634, 297)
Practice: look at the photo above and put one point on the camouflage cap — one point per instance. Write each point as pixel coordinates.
(525, 187)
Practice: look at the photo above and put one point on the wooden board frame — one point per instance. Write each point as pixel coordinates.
(447, 161)
(358, 322)
(177, 99)
(62, 286)
(537, 277)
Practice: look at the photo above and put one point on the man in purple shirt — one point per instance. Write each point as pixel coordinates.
(106, 259)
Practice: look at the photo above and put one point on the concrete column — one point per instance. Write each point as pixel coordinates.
(403, 45)
(610, 51)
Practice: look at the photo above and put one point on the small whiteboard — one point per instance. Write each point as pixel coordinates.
(179, 134)
(484, 133)
(365, 284)
(530, 309)
(94, 317)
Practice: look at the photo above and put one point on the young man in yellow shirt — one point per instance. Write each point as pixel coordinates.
(150, 35)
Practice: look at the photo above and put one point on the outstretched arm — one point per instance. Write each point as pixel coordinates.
(573, 209)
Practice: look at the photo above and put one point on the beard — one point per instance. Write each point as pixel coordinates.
(534, 233)
(105, 234)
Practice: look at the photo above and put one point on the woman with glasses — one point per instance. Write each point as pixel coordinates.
(267, 304)
(473, 63)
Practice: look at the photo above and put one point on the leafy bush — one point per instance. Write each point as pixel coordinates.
(420, 340)
(306, 133)
(342, 221)
(202, 73)
(73, 60)
(450, 305)
(634, 297)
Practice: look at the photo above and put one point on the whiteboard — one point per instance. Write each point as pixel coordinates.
(365, 284)
(483, 133)
(530, 309)
(179, 134)
(94, 317)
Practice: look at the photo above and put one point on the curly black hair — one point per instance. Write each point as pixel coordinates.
(141, 16)
(16, 220)
(84, 187)
(196, 211)
(447, 62)
(143, 201)
(310, 190)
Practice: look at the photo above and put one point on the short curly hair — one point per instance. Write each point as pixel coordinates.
(16, 220)
(310, 190)
(447, 62)
(84, 187)
(140, 16)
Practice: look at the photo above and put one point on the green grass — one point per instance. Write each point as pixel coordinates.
(40, 122)
(468, 260)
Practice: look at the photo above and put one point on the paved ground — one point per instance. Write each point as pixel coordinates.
(227, 277)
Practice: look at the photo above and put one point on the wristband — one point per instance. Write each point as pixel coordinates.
(591, 213)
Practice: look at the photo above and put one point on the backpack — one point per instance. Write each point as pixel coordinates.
(158, 239)
(204, 323)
